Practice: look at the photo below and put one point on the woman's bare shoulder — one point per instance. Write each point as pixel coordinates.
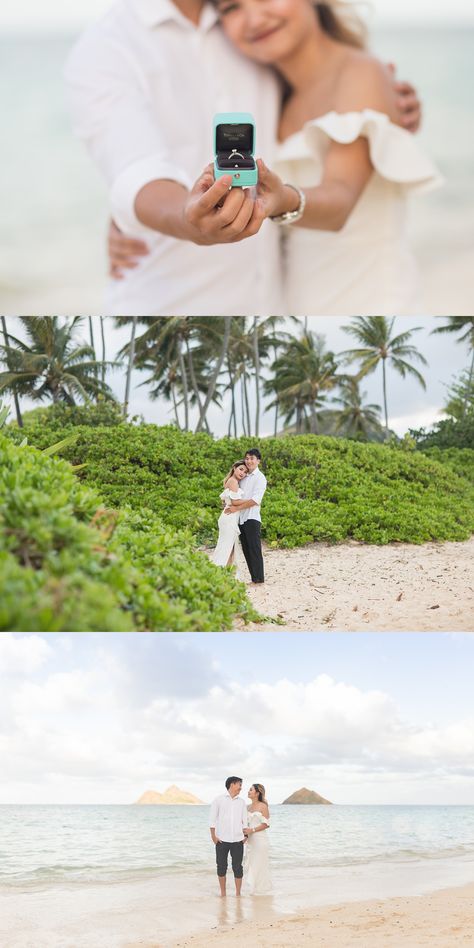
(232, 483)
(365, 83)
(263, 808)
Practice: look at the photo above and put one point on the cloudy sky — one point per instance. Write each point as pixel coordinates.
(409, 405)
(55, 14)
(99, 718)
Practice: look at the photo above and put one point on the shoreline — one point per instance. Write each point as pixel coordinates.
(356, 587)
(185, 911)
(441, 918)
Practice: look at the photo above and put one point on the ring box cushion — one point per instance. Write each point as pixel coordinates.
(235, 132)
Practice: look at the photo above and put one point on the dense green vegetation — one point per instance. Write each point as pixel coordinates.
(111, 542)
(320, 488)
(67, 563)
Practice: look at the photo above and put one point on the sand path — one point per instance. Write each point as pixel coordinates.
(352, 587)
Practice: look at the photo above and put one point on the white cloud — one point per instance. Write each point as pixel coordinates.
(85, 734)
(22, 655)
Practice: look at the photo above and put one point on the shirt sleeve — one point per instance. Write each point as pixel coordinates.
(111, 114)
(213, 813)
(258, 490)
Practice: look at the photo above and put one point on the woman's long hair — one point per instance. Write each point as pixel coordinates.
(340, 20)
(236, 464)
(260, 789)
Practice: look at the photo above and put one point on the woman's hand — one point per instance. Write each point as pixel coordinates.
(123, 252)
(277, 198)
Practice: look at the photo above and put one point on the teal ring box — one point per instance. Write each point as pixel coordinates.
(234, 148)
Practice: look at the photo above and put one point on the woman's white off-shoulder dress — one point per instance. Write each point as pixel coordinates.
(367, 267)
(229, 535)
(258, 857)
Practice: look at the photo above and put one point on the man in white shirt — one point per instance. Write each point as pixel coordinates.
(227, 821)
(250, 522)
(144, 84)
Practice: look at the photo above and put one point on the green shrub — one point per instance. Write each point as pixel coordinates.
(320, 488)
(459, 460)
(448, 433)
(69, 564)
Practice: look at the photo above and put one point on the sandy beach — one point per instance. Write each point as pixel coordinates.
(443, 920)
(353, 587)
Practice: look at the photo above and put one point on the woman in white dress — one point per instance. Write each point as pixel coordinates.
(349, 165)
(228, 549)
(258, 844)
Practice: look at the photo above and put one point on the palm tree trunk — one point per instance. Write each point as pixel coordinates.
(131, 360)
(215, 374)
(242, 405)
(184, 382)
(91, 332)
(247, 408)
(470, 378)
(232, 393)
(275, 423)
(176, 416)
(256, 359)
(102, 333)
(16, 400)
(384, 377)
(192, 375)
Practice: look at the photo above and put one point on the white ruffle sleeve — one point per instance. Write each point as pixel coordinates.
(395, 153)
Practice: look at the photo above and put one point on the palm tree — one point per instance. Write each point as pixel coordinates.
(302, 375)
(353, 419)
(374, 333)
(464, 326)
(217, 368)
(102, 333)
(7, 360)
(130, 364)
(51, 364)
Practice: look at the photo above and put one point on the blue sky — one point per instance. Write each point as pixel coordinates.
(409, 405)
(361, 718)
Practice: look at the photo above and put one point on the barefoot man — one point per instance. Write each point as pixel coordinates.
(228, 820)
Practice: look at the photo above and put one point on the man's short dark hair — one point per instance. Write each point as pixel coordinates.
(231, 780)
(255, 452)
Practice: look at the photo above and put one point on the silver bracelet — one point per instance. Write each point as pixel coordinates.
(290, 217)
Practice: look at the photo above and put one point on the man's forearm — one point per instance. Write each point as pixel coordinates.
(244, 504)
(160, 206)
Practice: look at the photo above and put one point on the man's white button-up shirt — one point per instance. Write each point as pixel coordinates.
(144, 84)
(253, 488)
(228, 817)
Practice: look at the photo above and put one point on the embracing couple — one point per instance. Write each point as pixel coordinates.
(234, 825)
(336, 131)
(240, 521)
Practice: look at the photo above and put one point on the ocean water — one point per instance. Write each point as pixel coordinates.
(50, 845)
(122, 876)
(54, 205)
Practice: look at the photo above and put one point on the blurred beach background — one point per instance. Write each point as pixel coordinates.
(54, 204)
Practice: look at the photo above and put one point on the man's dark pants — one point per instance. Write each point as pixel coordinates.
(236, 851)
(251, 541)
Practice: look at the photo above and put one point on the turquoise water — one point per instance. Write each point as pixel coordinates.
(54, 207)
(50, 845)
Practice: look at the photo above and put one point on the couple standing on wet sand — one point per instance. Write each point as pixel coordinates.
(240, 521)
(232, 825)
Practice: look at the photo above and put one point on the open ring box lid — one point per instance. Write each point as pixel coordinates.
(235, 132)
